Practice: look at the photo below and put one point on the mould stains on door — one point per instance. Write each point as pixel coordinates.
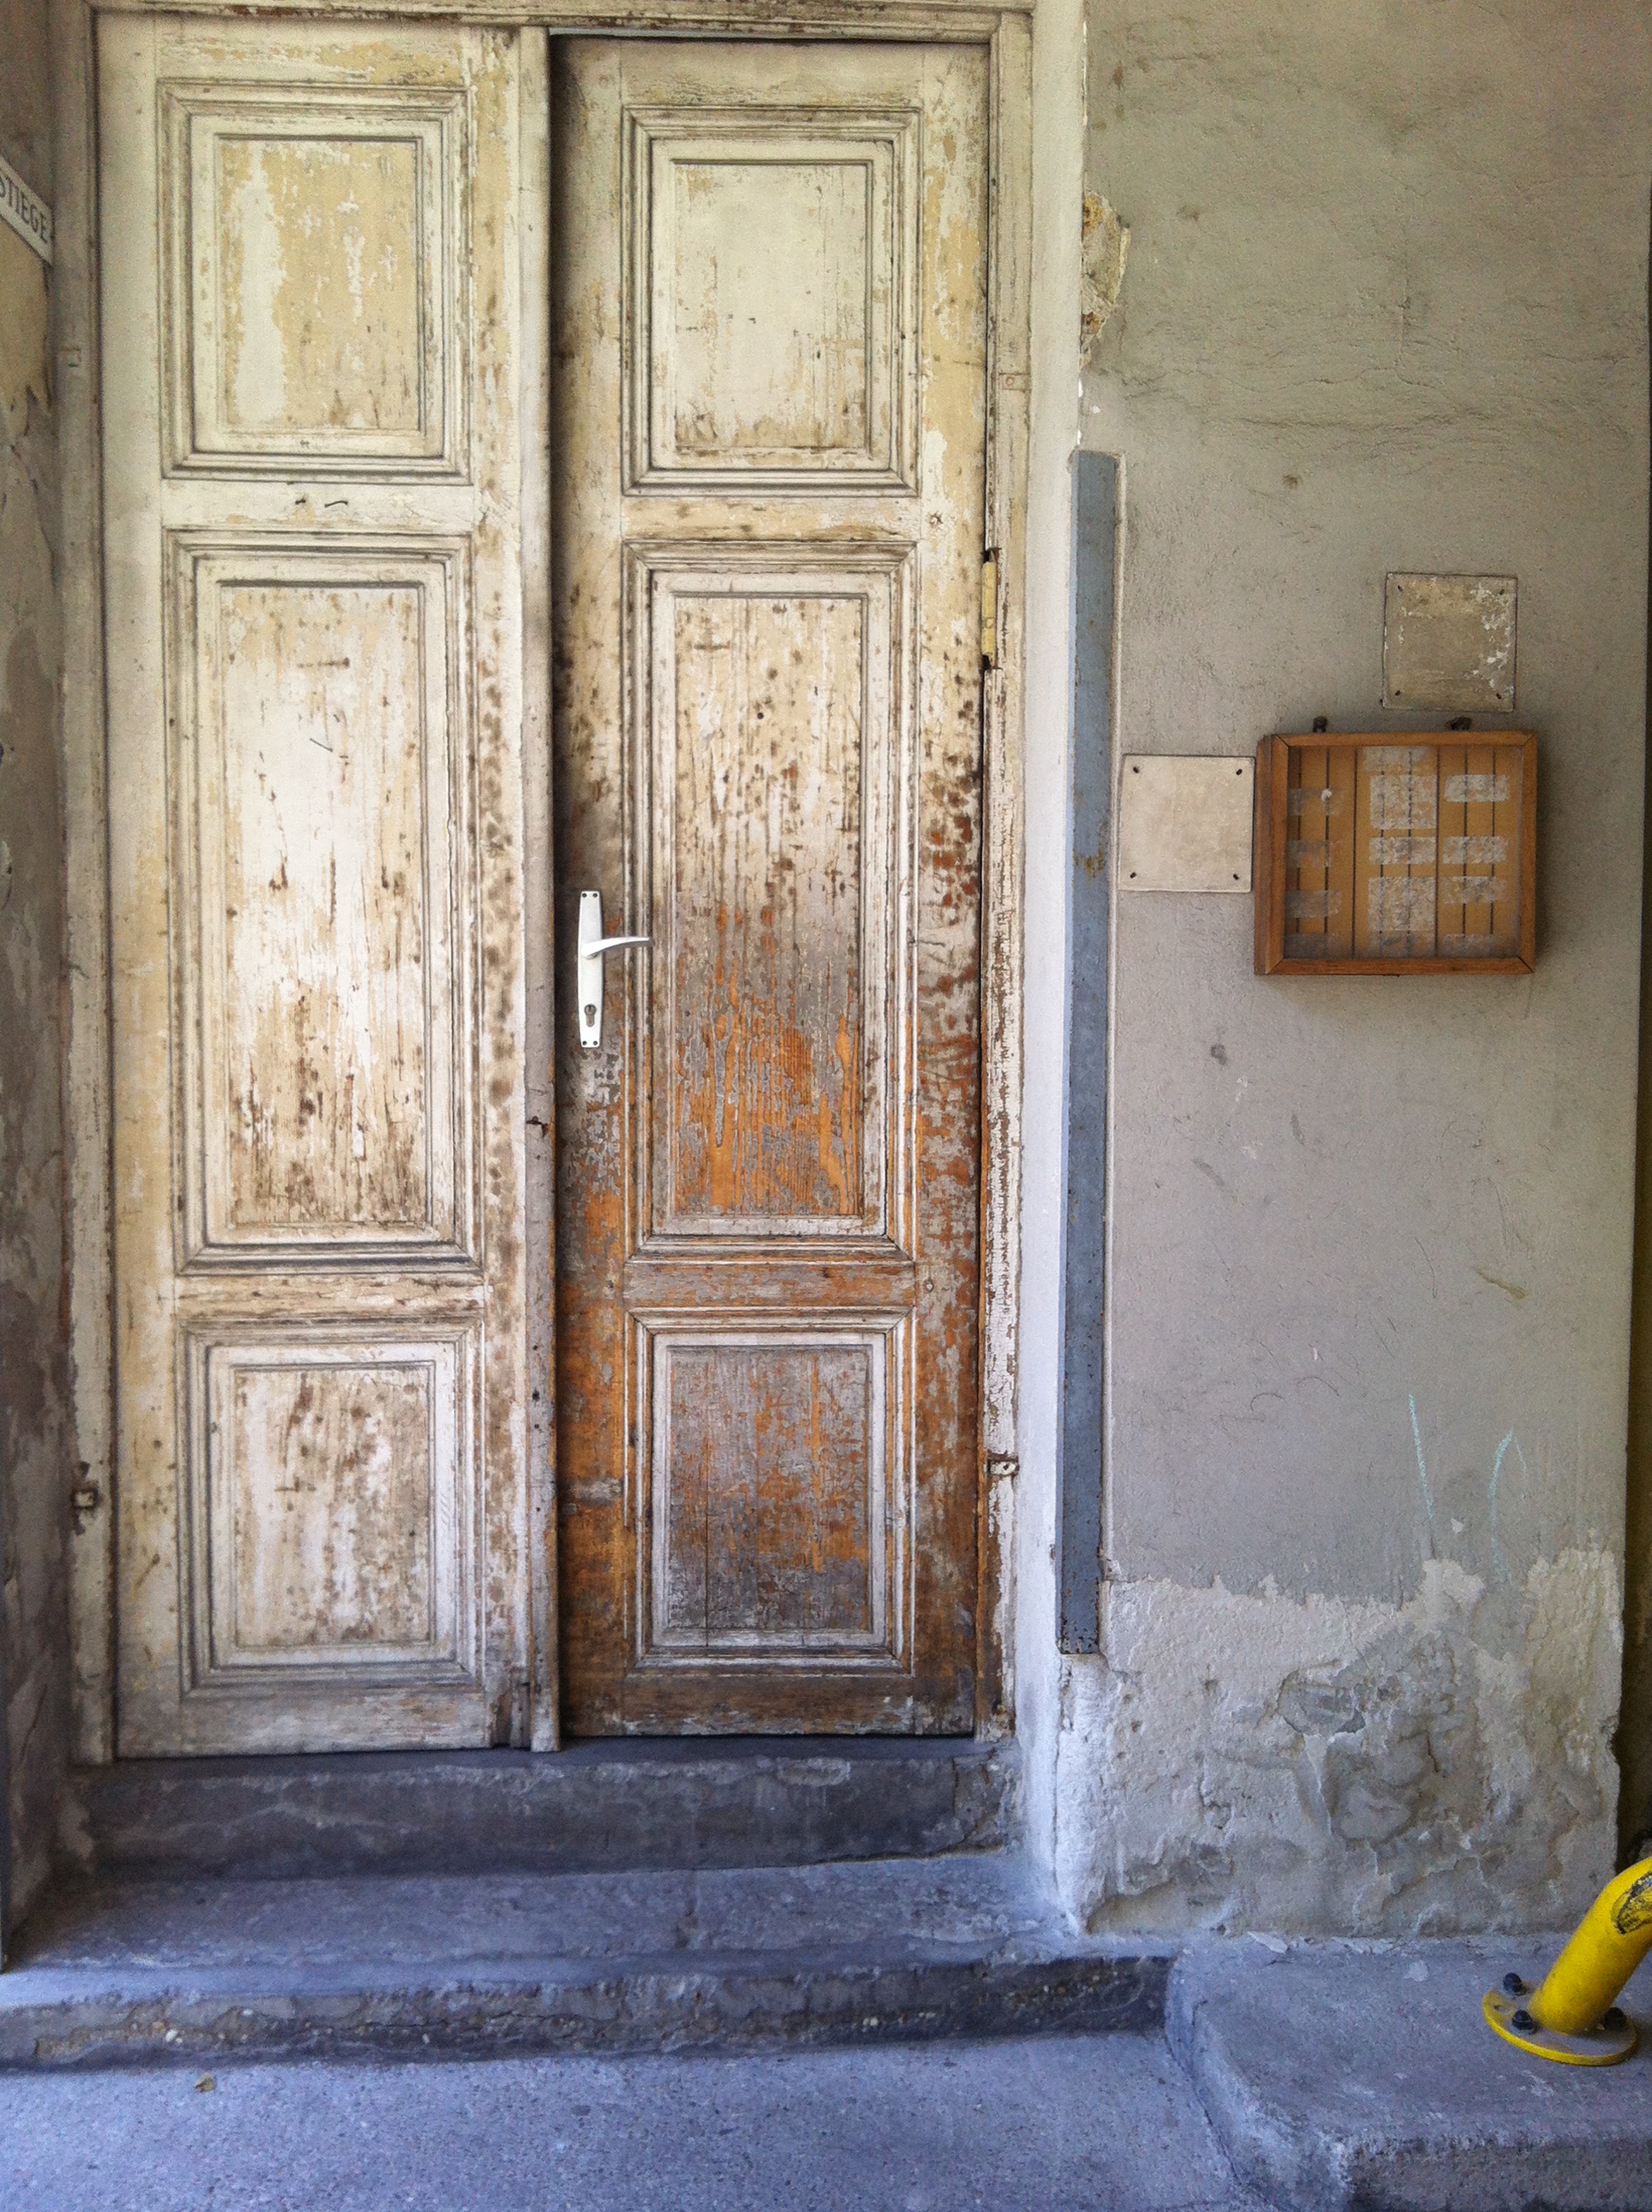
(331, 1514)
(741, 230)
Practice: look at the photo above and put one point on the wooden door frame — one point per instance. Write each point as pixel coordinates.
(1006, 31)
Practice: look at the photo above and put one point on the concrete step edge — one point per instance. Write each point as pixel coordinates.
(1282, 2162)
(731, 2001)
(1539, 2139)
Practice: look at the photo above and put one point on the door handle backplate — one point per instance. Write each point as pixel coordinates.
(593, 947)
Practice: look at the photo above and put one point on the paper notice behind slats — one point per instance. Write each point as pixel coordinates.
(1395, 856)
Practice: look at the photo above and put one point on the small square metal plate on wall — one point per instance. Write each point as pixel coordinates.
(1448, 644)
(1184, 822)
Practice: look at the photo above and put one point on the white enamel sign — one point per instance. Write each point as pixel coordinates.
(27, 214)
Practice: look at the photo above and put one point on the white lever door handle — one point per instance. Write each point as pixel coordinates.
(592, 947)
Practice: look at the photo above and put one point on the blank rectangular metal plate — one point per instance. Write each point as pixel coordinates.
(1448, 644)
(1184, 822)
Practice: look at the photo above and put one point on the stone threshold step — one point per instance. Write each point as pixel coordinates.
(596, 1806)
(1361, 2077)
(895, 1950)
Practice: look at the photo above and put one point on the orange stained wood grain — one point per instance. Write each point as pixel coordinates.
(767, 718)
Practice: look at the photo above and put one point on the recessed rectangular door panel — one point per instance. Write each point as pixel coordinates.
(771, 330)
(769, 438)
(766, 1524)
(324, 922)
(332, 1503)
(312, 468)
(314, 308)
(761, 894)
(774, 883)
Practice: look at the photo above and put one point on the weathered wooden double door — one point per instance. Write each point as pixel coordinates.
(765, 473)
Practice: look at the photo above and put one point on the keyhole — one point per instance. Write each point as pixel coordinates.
(590, 1013)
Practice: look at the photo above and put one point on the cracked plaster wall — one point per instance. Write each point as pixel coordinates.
(34, 1426)
(1386, 308)
(1269, 1762)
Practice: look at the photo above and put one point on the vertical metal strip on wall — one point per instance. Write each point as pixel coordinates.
(1090, 790)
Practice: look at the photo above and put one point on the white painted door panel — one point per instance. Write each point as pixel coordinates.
(311, 302)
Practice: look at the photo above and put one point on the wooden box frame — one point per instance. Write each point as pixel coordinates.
(1273, 864)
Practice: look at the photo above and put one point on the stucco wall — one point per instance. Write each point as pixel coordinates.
(35, 1475)
(1386, 307)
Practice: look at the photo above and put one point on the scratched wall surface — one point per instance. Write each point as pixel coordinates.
(34, 1439)
(1385, 308)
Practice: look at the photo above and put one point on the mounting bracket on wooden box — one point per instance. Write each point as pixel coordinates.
(1396, 856)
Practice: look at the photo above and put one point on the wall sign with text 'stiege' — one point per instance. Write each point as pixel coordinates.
(1378, 856)
(25, 211)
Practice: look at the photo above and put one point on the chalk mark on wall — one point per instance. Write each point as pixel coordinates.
(1421, 1471)
(1505, 1573)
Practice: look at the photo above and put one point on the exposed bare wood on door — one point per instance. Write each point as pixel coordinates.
(762, 1492)
(764, 899)
(768, 727)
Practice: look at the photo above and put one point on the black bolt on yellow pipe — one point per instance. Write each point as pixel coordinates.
(1572, 2016)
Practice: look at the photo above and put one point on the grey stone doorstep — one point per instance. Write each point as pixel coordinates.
(1343, 2077)
(641, 1804)
(732, 1960)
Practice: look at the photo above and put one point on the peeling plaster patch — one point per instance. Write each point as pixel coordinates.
(22, 337)
(1105, 250)
(1327, 1766)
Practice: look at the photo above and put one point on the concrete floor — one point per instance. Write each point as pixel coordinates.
(1107, 2124)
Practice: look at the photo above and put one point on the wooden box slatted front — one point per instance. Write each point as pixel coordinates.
(1396, 856)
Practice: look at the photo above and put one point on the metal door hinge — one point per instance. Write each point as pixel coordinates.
(989, 611)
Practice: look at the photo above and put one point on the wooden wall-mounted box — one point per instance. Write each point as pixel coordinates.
(1396, 856)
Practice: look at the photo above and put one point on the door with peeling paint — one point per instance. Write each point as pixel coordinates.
(311, 476)
(767, 451)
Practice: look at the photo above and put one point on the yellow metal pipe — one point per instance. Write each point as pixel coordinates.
(1613, 1937)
